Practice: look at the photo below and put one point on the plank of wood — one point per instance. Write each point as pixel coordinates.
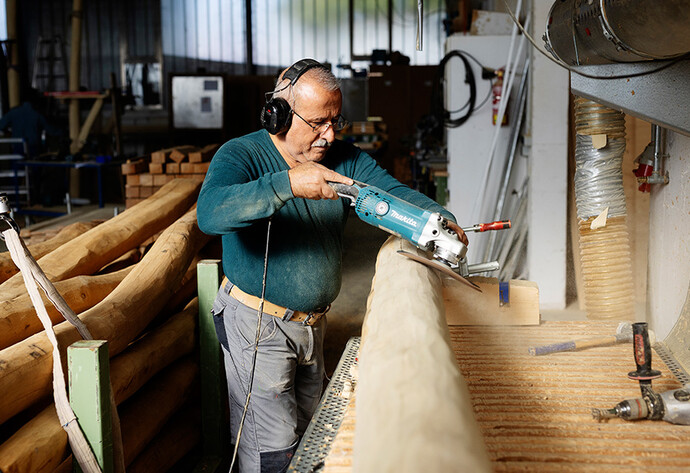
(204, 154)
(134, 166)
(156, 168)
(161, 156)
(38, 250)
(186, 168)
(201, 168)
(41, 443)
(146, 179)
(18, 318)
(410, 391)
(180, 153)
(464, 306)
(172, 168)
(132, 179)
(131, 192)
(161, 179)
(25, 367)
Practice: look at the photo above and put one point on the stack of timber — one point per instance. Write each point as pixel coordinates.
(146, 175)
(147, 311)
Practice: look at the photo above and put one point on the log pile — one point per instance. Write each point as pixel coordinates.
(152, 344)
(147, 174)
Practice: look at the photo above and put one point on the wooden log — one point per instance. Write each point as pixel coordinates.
(413, 407)
(180, 153)
(168, 391)
(133, 256)
(38, 250)
(25, 367)
(90, 251)
(465, 306)
(18, 319)
(177, 438)
(204, 154)
(41, 443)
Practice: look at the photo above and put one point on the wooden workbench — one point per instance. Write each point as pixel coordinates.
(534, 412)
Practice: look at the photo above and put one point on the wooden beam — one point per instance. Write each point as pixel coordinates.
(41, 444)
(517, 305)
(26, 366)
(413, 408)
(75, 69)
(38, 250)
(85, 129)
(89, 252)
(18, 318)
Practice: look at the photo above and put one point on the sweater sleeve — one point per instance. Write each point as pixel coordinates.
(366, 170)
(236, 192)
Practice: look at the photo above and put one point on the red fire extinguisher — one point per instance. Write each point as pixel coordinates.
(496, 91)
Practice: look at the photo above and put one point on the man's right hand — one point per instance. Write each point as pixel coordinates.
(310, 181)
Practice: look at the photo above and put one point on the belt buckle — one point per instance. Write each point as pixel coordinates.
(310, 316)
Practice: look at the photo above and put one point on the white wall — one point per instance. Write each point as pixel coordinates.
(669, 240)
(548, 186)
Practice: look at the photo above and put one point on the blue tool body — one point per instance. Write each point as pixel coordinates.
(382, 210)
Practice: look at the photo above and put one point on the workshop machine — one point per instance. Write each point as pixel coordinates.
(427, 230)
(672, 406)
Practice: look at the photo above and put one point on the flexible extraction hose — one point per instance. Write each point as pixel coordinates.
(604, 251)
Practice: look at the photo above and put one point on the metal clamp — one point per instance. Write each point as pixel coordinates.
(5, 216)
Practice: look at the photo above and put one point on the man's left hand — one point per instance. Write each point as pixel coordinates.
(461, 235)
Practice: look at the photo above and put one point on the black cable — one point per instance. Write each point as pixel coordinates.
(438, 110)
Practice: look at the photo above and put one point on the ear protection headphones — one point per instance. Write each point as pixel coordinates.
(276, 114)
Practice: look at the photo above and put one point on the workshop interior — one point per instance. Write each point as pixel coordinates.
(557, 132)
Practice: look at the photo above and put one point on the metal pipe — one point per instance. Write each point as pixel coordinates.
(658, 175)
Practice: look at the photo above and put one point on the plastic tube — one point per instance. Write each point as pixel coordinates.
(605, 251)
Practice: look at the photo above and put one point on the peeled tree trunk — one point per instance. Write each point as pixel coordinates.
(41, 444)
(25, 368)
(7, 266)
(18, 318)
(92, 250)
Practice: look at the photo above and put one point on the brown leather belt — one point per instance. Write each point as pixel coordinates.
(307, 318)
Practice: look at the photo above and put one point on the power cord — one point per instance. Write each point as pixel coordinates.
(256, 348)
(438, 110)
(584, 74)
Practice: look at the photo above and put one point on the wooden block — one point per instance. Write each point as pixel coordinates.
(187, 168)
(145, 191)
(156, 168)
(161, 179)
(465, 306)
(180, 153)
(196, 177)
(134, 166)
(146, 179)
(201, 168)
(204, 154)
(131, 192)
(161, 156)
(172, 168)
(133, 179)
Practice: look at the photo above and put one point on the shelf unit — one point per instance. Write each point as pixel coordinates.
(14, 180)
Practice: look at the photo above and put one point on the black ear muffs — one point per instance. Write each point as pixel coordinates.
(276, 114)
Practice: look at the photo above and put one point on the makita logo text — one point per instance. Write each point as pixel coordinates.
(402, 218)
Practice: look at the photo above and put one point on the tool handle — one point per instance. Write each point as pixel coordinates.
(485, 227)
(642, 352)
(573, 345)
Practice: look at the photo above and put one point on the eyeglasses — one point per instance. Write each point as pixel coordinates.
(338, 124)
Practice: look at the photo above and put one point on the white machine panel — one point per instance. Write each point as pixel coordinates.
(197, 101)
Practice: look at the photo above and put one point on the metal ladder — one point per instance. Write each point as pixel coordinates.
(48, 54)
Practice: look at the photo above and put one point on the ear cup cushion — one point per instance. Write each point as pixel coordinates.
(276, 116)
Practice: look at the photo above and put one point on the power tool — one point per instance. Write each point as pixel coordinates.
(427, 230)
(672, 406)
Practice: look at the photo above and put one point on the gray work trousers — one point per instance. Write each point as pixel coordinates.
(288, 380)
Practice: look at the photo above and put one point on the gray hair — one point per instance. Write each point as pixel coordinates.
(322, 76)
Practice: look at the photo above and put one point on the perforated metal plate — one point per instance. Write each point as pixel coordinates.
(673, 365)
(324, 425)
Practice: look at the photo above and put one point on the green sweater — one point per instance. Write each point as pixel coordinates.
(248, 182)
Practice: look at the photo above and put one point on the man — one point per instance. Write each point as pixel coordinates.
(282, 177)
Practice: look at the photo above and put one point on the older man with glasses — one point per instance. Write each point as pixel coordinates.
(267, 194)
